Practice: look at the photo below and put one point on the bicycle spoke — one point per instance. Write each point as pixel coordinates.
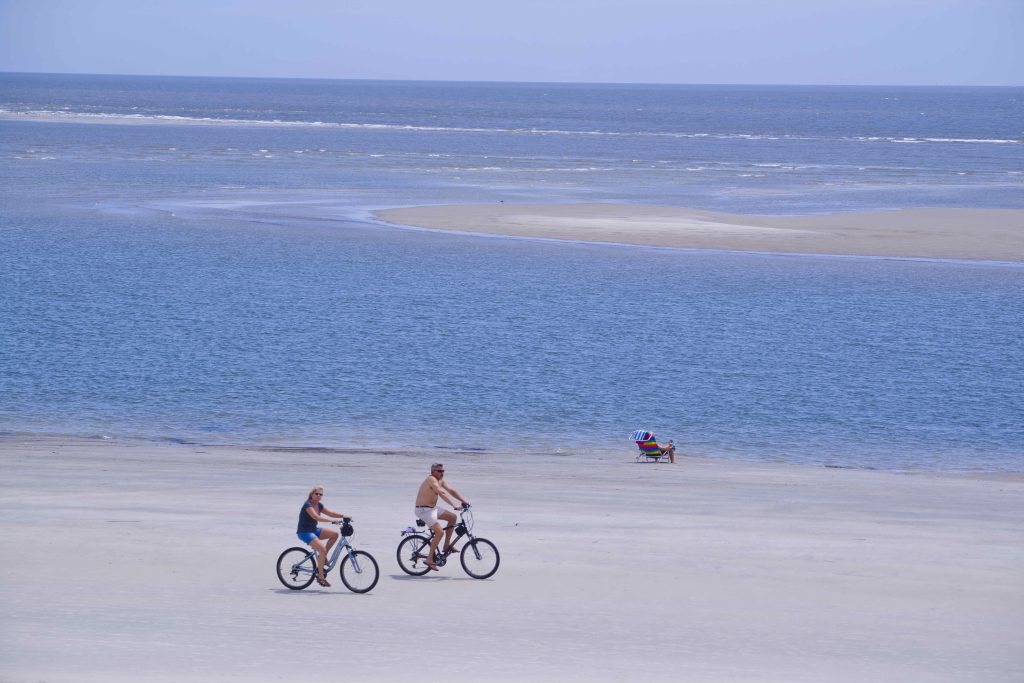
(413, 552)
(359, 571)
(296, 568)
(480, 558)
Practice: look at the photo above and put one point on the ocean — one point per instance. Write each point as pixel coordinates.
(194, 260)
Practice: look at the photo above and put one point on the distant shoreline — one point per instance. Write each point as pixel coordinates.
(967, 234)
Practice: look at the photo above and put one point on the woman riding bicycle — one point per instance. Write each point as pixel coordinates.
(313, 511)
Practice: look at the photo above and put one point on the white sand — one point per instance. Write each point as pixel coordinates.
(156, 563)
(986, 234)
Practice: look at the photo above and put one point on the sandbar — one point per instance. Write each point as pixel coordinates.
(969, 234)
(152, 562)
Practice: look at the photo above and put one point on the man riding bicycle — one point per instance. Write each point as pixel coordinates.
(435, 486)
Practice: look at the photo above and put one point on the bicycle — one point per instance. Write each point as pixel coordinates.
(296, 567)
(479, 557)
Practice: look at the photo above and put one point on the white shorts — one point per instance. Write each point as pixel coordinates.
(428, 515)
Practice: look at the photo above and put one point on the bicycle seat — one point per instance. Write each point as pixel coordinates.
(420, 522)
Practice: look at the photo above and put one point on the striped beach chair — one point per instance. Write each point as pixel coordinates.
(650, 451)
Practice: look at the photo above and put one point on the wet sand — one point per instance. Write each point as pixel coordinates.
(973, 234)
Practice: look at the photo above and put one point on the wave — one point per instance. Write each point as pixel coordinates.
(66, 116)
(996, 141)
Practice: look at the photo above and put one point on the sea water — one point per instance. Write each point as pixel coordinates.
(193, 260)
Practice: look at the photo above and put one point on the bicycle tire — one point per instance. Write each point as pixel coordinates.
(412, 554)
(480, 554)
(286, 562)
(365, 579)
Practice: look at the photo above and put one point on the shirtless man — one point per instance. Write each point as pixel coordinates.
(426, 509)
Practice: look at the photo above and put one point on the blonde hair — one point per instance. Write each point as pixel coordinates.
(313, 490)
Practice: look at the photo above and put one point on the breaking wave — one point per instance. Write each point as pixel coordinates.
(65, 116)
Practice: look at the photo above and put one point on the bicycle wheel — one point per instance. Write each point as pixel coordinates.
(296, 567)
(479, 558)
(359, 571)
(412, 554)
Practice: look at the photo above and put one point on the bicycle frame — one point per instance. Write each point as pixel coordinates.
(443, 555)
(329, 564)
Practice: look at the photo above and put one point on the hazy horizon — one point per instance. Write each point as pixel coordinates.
(495, 82)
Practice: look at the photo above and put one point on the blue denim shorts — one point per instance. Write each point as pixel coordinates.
(307, 536)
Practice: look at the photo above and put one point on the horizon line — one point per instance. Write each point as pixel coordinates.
(513, 82)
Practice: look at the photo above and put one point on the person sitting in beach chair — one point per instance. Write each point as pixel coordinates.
(651, 450)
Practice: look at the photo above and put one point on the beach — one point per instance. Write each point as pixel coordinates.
(971, 234)
(212, 304)
(162, 568)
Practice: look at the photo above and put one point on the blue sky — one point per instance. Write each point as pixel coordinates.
(898, 42)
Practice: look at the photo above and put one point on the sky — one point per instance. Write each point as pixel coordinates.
(839, 42)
